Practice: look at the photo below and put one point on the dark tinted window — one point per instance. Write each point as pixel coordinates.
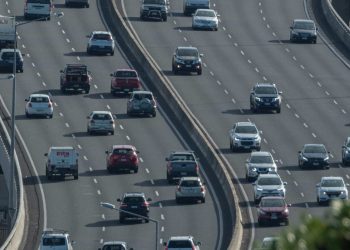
(122, 151)
(54, 241)
(269, 181)
(161, 2)
(39, 99)
(332, 183)
(246, 130)
(189, 184)
(102, 117)
(272, 203)
(114, 247)
(261, 159)
(76, 70)
(133, 199)
(180, 244)
(125, 74)
(187, 52)
(315, 149)
(143, 96)
(102, 37)
(39, 1)
(266, 90)
(304, 26)
(182, 157)
(9, 56)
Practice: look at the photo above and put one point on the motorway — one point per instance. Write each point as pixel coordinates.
(74, 205)
(252, 45)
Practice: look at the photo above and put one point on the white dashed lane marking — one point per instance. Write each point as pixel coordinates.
(302, 66)
(103, 217)
(79, 146)
(67, 125)
(61, 114)
(218, 82)
(326, 92)
(302, 194)
(63, 32)
(295, 183)
(313, 135)
(305, 125)
(343, 111)
(85, 158)
(95, 181)
(121, 127)
(152, 181)
(162, 217)
(156, 192)
(128, 138)
(242, 52)
(226, 92)
(319, 84)
(98, 192)
(147, 171)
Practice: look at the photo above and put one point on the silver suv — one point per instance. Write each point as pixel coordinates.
(154, 9)
(259, 163)
(244, 135)
(55, 239)
(268, 185)
(345, 152)
(331, 188)
(101, 42)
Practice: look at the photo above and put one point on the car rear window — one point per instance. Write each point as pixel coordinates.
(315, 149)
(9, 55)
(189, 184)
(182, 157)
(269, 181)
(122, 151)
(143, 96)
(113, 247)
(39, 99)
(161, 2)
(206, 13)
(187, 52)
(332, 183)
(133, 199)
(54, 241)
(101, 117)
(125, 74)
(102, 37)
(79, 70)
(304, 26)
(39, 1)
(272, 203)
(180, 244)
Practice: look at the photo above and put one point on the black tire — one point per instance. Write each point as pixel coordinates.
(165, 18)
(203, 200)
(146, 220)
(136, 170)
(112, 53)
(260, 222)
(278, 110)
(300, 165)
(87, 5)
(87, 90)
(28, 115)
(63, 90)
(258, 148)
(88, 51)
(256, 201)
(50, 116)
(178, 201)
(76, 176)
(121, 220)
(154, 114)
(199, 72)
(112, 133)
(169, 179)
(318, 201)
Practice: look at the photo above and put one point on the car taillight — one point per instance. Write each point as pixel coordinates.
(166, 248)
(193, 247)
(197, 168)
(123, 205)
(202, 189)
(133, 158)
(170, 167)
(145, 204)
(114, 157)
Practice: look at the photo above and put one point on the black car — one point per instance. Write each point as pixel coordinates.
(6, 60)
(187, 59)
(265, 96)
(303, 30)
(313, 155)
(132, 205)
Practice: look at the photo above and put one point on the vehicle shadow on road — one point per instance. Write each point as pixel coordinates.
(186, 28)
(283, 41)
(33, 180)
(157, 182)
(105, 223)
(78, 134)
(172, 203)
(57, 92)
(179, 14)
(78, 53)
(38, 117)
(237, 112)
(106, 95)
(96, 172)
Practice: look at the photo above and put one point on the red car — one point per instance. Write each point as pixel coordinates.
(273, 209)
(125, 81)
(122, 158)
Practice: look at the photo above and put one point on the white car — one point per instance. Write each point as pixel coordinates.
(115, 245)
(190, 188)
(100, 122)
(182, 242)
(259, 163)
(244, 135)
(101, 42)
(39, 105)
(53, 239)
(268, 185)
(205, 19)
(331, 188)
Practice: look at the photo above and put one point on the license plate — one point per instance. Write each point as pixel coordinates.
(267, 103)
(154, 13)
(316, 163)
(188, 66)
(133, 206)
(246, 147)
(183, 173)
(136, 107)
(273, 216)
(76, 85)
(122, 159)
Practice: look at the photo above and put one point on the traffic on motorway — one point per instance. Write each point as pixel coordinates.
(270, 195)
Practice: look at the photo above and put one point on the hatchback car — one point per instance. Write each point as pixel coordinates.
(100, 122)
(141, 103)
(331, 188)
(313, 155)
(182, 242)
(190, 188)
(134, 205)
(55, 239)
(268, 185)
(187, 59)
(39, 105)
(115, 245)
(265, 96)
(303, 30)
(205, 19)
(121, 158)
(273, 210)
(101, 42)
(259, 163)
(345, 152)
(244, 135)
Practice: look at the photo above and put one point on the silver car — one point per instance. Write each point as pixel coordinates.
(268, 185)
(345, 152)
(100, 121)
(205, 19)
(39, 105)
(190, 188)
(244, 135)
(259, 163)
(331, 188)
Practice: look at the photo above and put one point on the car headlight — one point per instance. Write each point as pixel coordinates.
(346, 151)
(236, 138)
(326, 158)
(295, 33)
(252, 169)
(304, 158)
(258, 99)
(286, 211)
(259, 189)
(323, 193)
(281, 190)
(276, 99)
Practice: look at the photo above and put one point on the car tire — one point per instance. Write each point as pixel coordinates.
(261, 223)
(88, 51)
(112, 132)
(165, 18)
(28, 115)
(168, 178)
(76, 176)
(256, 201)
(199, 72)
(121, 220)
(178, 201)
(154, 114)
(248, 178)
(112, 53)
(87, 5)
(286, 222)
(278, 110)
(258, 148)
(50, 116)
(203, 200)
(136, 170)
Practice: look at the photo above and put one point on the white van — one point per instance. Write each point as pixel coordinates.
(38, 9)
(190, 6)
(62, 161)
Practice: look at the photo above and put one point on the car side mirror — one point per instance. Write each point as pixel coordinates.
(285, 183)
(111, 74)
(289, 205)
(247, 161)
(252, 92)
(291, 27)
(299, 152)
(316, 28)
(119, 200)
(149, 199)
(27, 100)
(131, 248)
(218, 15)
(167, 159)
(164, 244)
(253, 183)
(99, 248)
(280, 92)
(88, 36)
(45, 154)
(23, 54)
(347, 184)
(317, 185)
(106, 151)
(73, 242)
(137, 151)
(343, 147)
(328, 152)
(88, 117)
(61, 71)
(198, 243)
(201, 55)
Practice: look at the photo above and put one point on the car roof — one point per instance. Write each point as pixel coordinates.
(245, 124)
(9, 50)
(186, 47)
(190, 178)
(123, 146)
(133, 70)
(182, 152)
(134, 194)
(39, 95)
(115, 242)
(332, 178)
(62, 147)
(101, 112)
(265, 84)
(260, 153)
(181, 237)
(304, 20)
(54, 232)
(272, 198)
(100, 32)
(208, 10)
(142, 92)
(314, 145)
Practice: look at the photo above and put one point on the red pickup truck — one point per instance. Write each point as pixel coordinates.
(124, 81)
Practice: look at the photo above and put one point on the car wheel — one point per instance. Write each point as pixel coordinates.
(112, 132)
(87, 5)
(112, 53)
(256, 201)
(258, 148)
(146, 220)
(278, 110)
(154, 114)
(203, 200)
(260, 222)
(109, 170)
(199, 72)
(178, 201)
(165, 18)
(168, 178)
(76, 176)
(121, 219)
(28, 115)
(50, 116)
(248, 178)
(286, 222)
(87, 90)
(88, 50)
(136, 170)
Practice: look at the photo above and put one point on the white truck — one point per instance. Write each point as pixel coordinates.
(62, 161)
(7, 32)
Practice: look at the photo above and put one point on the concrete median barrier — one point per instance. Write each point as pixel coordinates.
(193, 129)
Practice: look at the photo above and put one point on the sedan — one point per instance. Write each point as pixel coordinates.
(205, 19)
(190, 188)
(313, 155)
(273, 209)
(100, 122)
(122, 157)
(39, 105)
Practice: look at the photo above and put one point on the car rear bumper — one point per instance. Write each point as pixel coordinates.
(190, 195)
(153, 14)
(124, 90)
(122, 166)
(39, 112)
(315, 164)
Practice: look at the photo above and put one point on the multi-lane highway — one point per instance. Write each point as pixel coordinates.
(73, 205)
(252, 45)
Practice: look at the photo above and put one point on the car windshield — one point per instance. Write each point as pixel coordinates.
(76, 70)
(348, 144)
(182, 157)
(133, 199)
(315, 149)
(205, 13)
(189, 183)
(142, 96)
(161, 2)
(266, 90)
(272, 203)
(180, 244)
(187, 52)
(114, 247)
(246, 130)
(39, 99)
(54, 241)
(269, 181)
(126, 73)
(101, 117)
(304, 26)
(123, 151)
(102, 37)
(332, 183)
(261, 159)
